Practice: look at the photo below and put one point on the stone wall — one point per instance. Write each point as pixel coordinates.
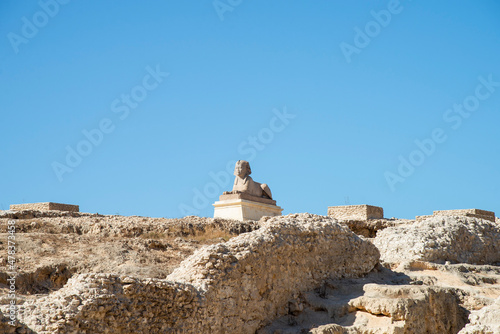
(476, 213)
(233, 287)
(355, 212)
(45, 206)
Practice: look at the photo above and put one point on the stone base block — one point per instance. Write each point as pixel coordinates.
(45, 206)
(355, 212)
(242, 209)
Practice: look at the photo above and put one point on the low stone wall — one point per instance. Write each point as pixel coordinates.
(355, 212)
(233, 287)
(476, 213)
(45, 206)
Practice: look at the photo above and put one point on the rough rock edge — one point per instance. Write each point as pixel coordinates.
(234, 287)
(369, 228)
(115, 225)
(485, 320)
(440, 239)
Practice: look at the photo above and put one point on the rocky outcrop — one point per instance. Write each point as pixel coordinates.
(382, 302)
(485, 320)
(232, 287)
(29, 221)
(440, 239)
(369, 228)
(293, 274)
(421, 295)
(40, 280)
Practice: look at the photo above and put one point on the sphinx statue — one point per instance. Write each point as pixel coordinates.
(243, 183)
(249, 200)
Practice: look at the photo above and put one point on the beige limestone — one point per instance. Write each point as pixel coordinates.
(242, 209)
(485, 320)
(249, 200)
(457, 239)
(360, 212)
(370, 227)
(233, 287)
(421, 218)
(483, 214)
(476, 213)
(414, 297)
(45, 206)
(380, 303)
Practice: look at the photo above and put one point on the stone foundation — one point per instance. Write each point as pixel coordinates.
(45, 206)
(356, 212)
(245, 207)
(476, 213)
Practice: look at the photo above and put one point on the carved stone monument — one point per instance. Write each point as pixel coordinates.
(249, 200)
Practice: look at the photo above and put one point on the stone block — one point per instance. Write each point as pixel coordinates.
(45, 206)
(245, 207)
(356, 212)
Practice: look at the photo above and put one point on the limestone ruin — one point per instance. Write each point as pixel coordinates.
(45, 206)
(299, 273)
(356, 212)
(483, 214)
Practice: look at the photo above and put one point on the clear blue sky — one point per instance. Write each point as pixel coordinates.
(356, 86)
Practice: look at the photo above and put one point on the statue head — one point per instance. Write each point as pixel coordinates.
(242, 169)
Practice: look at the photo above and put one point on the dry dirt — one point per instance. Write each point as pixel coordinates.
(51, 248)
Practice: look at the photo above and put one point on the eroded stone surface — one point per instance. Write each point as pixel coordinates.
(383, 302)
(356, 212)
(294, 274)
(45, 206)
(485, 320)
(440, 239)
(369, 228)
(232, 287)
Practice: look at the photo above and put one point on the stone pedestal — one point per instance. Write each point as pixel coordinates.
(245, 207)
(355, 212)
(45, 206)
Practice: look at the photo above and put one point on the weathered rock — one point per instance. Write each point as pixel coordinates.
(57, 246)
(290, 275)
(485, 320)
(382, 302)
(440, 239)
(233, 287)
(369, 228)
(41, 279)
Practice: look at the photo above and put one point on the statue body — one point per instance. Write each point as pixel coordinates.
(243, 183)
